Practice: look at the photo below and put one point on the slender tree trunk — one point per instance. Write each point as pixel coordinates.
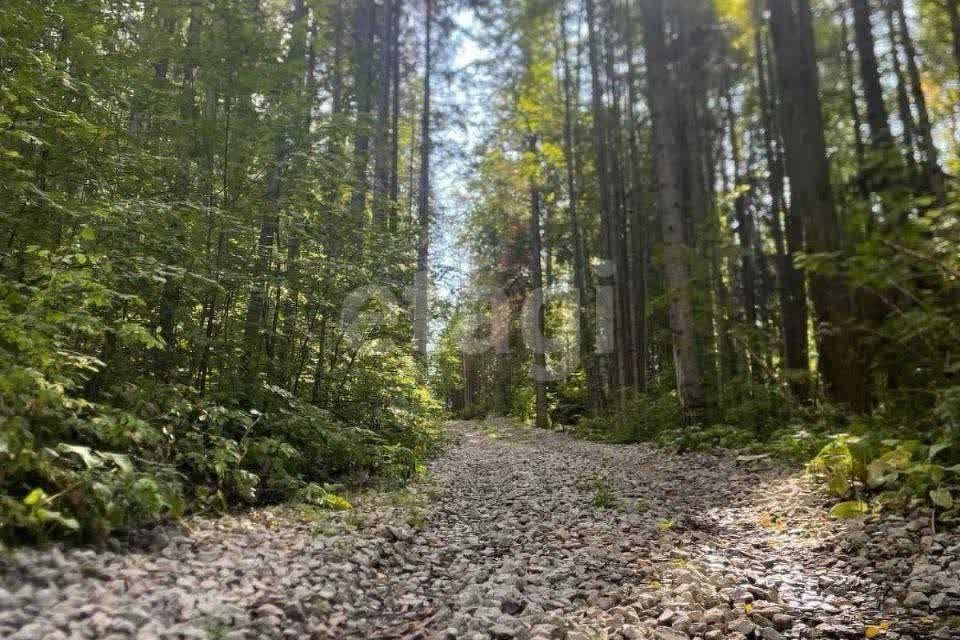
(395, 119)
(639, 240)
(859, 146)
(603, 185)
(903, 97)
(581, 277)
(791, 282)
(363, 42)
(256, 305)
(932, 170)
(382, 150)
(670, 198)
(953, 10)
(745, 230)
(623, 329)
(422, 310)
(878, 119)
(801, 121)
(536, 290)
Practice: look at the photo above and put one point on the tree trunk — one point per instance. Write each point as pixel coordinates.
(903, 98)
(859, 146)
(363, 42)
(382, 150)
(581, 277)
(536, 290)
(801, 121)
(953, 10)
(878, 119)
(639, 240)
(256, 305)
(791, 286)
(623, 329)
(603, 184)
(745, 230)
(934, 175)
(670, 201)
(422, 310)
(395, 120)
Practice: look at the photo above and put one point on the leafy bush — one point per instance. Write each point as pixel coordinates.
(73, 466)
(898, 471)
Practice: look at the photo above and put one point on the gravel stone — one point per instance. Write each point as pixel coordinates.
(503, 541)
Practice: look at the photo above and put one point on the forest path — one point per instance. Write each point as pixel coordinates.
(515, 533)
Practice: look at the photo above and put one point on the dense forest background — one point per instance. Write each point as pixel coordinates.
(727, 223)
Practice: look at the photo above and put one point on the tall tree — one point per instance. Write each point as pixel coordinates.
(581, 277)
(666, 149)
(422, 303)
(537, 293)
(801, 123)
(791, 281)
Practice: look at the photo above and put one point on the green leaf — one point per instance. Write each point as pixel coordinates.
(850, 509)
(90, 460)
(937, 448)
(120, 460)
(942, 498)
(44, 515)
(35, 497)
(880, 472)
(87, 233)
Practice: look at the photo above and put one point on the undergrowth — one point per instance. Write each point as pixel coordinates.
(883, 461)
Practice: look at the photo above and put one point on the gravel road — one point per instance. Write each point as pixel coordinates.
(513, 533)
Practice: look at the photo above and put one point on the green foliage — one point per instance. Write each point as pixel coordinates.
(168, 319)
(897, 471)
(603, 495)
(644, 418)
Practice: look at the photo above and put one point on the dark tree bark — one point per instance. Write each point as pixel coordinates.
(283, 148)
(581, 276)
(903, 97)
(953, 10)
(623, 328)
(859, 145)
(637, 221)
(363, 81)
(745, 230)
(801, 122)
(931, 160)
(791, 283)
(603, 183)
(878, 119)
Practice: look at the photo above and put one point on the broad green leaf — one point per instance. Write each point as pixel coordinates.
(35, 497)
(942, 498)
(880, 473)
(937, 448)
(850, 509)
